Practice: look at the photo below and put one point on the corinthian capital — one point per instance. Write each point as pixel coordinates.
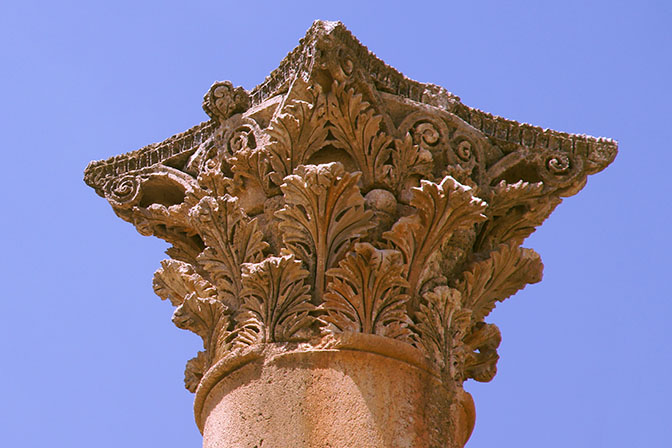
(341, 217)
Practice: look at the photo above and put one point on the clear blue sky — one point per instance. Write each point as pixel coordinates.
(89, 355)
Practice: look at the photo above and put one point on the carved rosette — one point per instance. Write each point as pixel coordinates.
(356, 202)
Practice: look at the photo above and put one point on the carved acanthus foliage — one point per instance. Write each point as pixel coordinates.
(441, 210)
(276, 303)
(176, 280)
(447, 335)
(493, 280)
(231, 239)
(480, 352)
(212, 181)
(208, 318)
(251, 168)
(356, 130)
(467, 345)
(194, 371)
(323, 216)
(514, 212)
(296, 134)
(341, 197)
(148, 219)
(409, 162)
(366, 293)
(442, 323)
(198, 310)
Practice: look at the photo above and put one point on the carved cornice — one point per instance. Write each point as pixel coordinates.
(339, 198)
(321, 41)
(172, 151)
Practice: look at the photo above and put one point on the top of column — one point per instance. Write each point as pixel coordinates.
(341, 204)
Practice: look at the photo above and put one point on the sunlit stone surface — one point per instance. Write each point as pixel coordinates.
(339, 236)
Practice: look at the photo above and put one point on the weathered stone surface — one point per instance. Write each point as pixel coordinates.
(359, 394)
(339, 236)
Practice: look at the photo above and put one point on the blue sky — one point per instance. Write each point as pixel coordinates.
(89, 355)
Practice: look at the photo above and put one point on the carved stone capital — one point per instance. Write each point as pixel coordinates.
(340, 210)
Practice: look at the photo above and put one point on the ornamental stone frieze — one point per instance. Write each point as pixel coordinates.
(338, 237)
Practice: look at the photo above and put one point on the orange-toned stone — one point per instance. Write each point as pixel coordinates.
(333, 398)
(339, 236)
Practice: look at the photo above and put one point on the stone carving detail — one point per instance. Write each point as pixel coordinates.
(356, 130)
(340, 197)
(442, 323)
(409, 162)
(198, 310)
(295, 135)
(231, 239)
(324, 213)
(441, 210)
(276, 302)
(508, 269)
(223, 100)
(366, 293)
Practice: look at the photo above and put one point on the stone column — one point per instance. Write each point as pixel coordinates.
(339, 236)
